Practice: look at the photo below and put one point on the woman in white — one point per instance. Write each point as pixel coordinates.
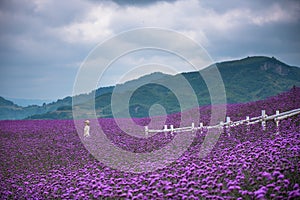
(86, 128)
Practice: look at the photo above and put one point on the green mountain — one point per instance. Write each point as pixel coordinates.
(255, 78)
(54, 110)
(9, 110)
(248, 79)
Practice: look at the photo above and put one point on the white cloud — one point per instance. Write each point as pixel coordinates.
(190, 17)
(104, 20)
(94, 26)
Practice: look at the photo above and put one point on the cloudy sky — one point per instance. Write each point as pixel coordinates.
(44, 42)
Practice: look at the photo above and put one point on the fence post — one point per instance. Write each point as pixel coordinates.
(263, 122)
(248, 126)
(146, 131)
(201, 128)
(221, 126)
(227, 129)
(277, 122)
(193, 128)
(165, 127)
(165, 130)
(172, 129)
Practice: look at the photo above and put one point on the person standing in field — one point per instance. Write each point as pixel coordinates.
(86, 128)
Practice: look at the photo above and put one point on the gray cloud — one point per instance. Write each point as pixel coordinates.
(42, 43)
(133, 2)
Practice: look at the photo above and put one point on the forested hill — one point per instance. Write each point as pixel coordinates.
(245, 80)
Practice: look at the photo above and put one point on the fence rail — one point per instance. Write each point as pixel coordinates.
(226, 125)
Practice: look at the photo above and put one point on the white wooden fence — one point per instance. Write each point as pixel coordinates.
(226, 125)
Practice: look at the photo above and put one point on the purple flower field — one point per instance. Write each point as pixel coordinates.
(45, 159)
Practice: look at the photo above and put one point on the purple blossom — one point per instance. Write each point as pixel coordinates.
(281, 176)
(294, 194)
(234, 187)
(267, 175)
(45, 159)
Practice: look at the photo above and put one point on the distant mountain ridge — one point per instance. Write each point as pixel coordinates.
(28, 102)
(5, 102)
(248, 79)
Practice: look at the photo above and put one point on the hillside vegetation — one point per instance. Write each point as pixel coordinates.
(245, 80)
